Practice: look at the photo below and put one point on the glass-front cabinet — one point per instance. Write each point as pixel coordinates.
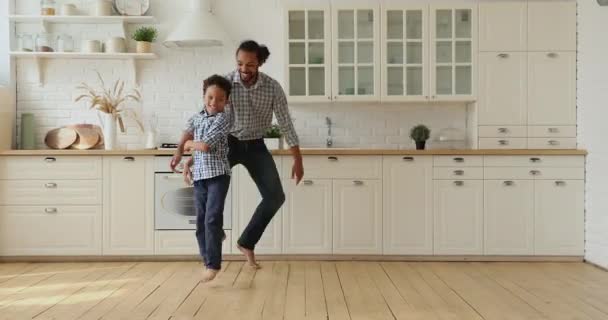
(308, 50)
(356, 53)
(453, 44)
(405, 54)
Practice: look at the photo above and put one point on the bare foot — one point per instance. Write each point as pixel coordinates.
(209, 274)
(250, 257)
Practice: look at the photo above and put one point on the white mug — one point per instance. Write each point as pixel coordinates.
(102, 8)
(69, 9)
(116, 45)
(91, 46)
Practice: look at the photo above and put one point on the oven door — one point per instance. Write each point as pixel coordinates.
(174, 204)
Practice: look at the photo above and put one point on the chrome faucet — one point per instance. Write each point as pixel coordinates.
(329, 142)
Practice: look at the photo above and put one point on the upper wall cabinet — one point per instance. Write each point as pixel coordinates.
(503, 26)
(309, 54)
(551, 25)
(356, 52)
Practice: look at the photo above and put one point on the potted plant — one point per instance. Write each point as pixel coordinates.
(109, 104)
(420, 134)
(272, 138)
(144, 37)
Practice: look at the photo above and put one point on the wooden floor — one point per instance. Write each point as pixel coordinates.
(304, 290)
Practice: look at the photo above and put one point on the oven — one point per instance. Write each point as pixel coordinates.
(174, 204)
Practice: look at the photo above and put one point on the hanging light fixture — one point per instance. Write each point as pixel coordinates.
(200, 28)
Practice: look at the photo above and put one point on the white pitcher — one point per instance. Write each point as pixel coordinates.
(108, 125)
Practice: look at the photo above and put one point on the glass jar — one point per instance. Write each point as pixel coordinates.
(47, 7)
(25, 43)
(65, 43)
(44, 43)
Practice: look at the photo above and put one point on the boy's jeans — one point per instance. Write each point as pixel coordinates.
(209, 198)
(254, 156)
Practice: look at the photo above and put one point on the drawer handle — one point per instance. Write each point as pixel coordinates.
(503, 130)
(534, 159)
(459, 159)
(503, 142)
(332, 158)
(408, 158)
(459, 172)
(508, 183)
(459, 183)
(50, 210)
(534, 172)
(358, 182)
(50, 159)
(560, 183)
(553, 142)
(308, 182)
(131, 159)
(553, 130)
(503, 55)
(552, 55)
(50, 185)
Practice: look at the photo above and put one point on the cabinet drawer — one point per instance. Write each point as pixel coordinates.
(340, 167)
(447, 173)
(493, 173)
(460, 161)
(51, 167)
(41, 230)
(502, 143)
(552, 131)
(43, 192)
(552, 143)
(534, 161)
(502, 131)
(497, 173)
(183, 242)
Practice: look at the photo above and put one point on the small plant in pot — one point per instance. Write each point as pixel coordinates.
(144, 37)
(273, 138)
(420, 134)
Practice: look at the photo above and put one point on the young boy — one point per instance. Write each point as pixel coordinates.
(211, 171)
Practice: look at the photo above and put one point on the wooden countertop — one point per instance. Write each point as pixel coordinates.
(306, 151)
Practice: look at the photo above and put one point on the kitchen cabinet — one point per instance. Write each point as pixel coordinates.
(128, 212)
(183, 242)
(503, 26)
(408, 205)
(552, 25)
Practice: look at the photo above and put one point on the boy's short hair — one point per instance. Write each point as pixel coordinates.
(217, 80)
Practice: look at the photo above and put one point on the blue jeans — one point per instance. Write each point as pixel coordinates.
(258, 161)
(209, 198)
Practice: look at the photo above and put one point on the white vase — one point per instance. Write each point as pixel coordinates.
(108, 125)
(272, 143)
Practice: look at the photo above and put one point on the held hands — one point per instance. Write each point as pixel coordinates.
(191, 146)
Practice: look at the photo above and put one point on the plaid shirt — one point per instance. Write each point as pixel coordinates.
(212, 130)
(252, 108)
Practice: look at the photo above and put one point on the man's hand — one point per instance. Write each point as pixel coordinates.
(187, 172)
(177, 158)
(297, 171)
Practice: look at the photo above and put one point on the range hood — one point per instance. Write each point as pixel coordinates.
(200, 28)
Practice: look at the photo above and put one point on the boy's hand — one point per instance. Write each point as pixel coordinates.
(187, 173)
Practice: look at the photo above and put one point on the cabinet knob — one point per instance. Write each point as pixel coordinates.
(508, 183)
(503, 142)
(458, 159)
(50, 159)
(459, 183)
(50, 185)
(131, 159)
(560, 183)
(50, 210)
(503, 130)
(458, 172)
(332, 158)
(534, 159)
(553, 142)
(358, 182)
(503, 55)
(409, 159)
(308, 182)
(552, 55)
(553, 130)
(534, 172)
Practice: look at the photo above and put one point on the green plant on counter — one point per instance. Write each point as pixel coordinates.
(420, 133)
(146, 34)
(273, 132)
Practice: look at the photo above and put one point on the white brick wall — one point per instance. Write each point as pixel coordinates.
(171, 85)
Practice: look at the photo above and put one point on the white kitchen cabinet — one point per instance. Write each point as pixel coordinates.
(509, 217)
(357, 217)
(307, 217)
(552, 25)
(408, 205)
(503, 88)
(247, 198)
(50, 230)
(458, 217)
(128, 220)
(43, 192)
(552, 88)
(503, 26)
(453, 42)
(308, 47)
(559, 217)
(50, 167)
(405, 65)
(356, 53)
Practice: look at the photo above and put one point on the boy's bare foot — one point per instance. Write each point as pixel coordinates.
(209, 274)
(250, 257)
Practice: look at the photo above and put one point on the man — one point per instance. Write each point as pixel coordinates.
(255, 98)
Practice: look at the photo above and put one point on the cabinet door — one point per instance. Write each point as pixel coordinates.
(552, 25)
(503, 88)
(405, 54)
(356, 54)
(309, 54)
(307, 217)
(503, 26)
(559, 217)
(509, 217)
(458, 214)
(552, 88)
(357, 211)
(453, 53)
(128, 210)
(247, 199)
(408, 205)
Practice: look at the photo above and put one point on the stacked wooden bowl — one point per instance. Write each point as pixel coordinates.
(78, 136)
